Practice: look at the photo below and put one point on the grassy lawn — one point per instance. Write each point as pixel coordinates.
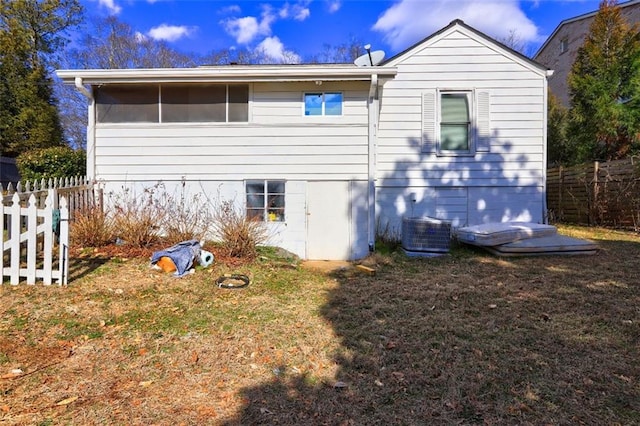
(465, 339)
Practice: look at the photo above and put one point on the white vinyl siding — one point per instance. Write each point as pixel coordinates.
(277, 143)
(508, 133)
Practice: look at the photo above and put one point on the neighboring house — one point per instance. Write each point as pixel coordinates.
(559, 51)
(453, 128)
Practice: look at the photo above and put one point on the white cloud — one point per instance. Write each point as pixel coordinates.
(111, 6)
(299, 11)
(229, 10)
(409, 21)
(334, 5)
(170, 32)
(274, 49)
(246, 29)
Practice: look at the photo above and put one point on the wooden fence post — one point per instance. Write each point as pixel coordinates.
(560, 212)
(596, 188)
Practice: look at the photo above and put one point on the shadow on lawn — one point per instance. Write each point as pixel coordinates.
(80, 267)
(473, 339)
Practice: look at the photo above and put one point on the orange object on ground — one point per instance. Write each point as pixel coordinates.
(166, 264)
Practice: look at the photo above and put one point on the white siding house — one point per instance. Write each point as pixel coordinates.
(499, 175)
(325, 153)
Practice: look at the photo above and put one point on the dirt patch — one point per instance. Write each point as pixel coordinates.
(327, 266)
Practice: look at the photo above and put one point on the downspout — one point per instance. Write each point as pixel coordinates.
(373, 130)
(545, 213)
(91, 128)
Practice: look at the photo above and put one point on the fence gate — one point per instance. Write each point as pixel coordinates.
(29, 243)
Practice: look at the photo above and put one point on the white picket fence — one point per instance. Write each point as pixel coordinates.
(24, 240)
(31, 213)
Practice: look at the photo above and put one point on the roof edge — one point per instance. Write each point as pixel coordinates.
(462, 24)
(226, 73)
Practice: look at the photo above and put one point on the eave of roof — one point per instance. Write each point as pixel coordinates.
(228, 73)
(462, 24)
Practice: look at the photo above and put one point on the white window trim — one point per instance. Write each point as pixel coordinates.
(265, 207)
(323, 92)
(470, 93)
(479, 115)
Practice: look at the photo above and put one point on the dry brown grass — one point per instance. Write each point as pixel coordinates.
(464, 339)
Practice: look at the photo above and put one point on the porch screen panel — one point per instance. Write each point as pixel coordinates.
(127, 104)
(193, 103)
(238, 102)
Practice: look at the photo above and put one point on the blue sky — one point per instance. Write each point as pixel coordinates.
(284, 29)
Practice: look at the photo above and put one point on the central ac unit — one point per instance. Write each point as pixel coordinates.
(425, 235)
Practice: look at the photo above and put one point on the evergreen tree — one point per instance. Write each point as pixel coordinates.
(560, 151)
(31, 34)
(604, 88)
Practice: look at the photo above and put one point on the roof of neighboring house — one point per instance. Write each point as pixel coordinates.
(461, 23)
(578, 18)
(229, 73)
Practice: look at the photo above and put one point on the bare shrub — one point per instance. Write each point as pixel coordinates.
(184, 217)
(137, 218)
(239, 235)
(91, 227)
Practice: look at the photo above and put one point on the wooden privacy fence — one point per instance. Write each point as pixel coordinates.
(35, 219)
(602, 193)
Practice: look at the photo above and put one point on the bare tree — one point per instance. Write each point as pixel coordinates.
(341, 54)
(514, 41)
(108, 43)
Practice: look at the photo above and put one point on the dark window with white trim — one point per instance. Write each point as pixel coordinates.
(323, 103)
(173, 103)
(265, 200)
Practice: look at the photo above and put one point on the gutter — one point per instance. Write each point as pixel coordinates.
(373, 102)
(240, 74)
(545, 150)
(91, 128)
(80, 86)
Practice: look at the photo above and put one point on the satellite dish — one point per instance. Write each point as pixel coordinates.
(370, 59)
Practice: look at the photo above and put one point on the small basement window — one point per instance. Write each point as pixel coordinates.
(326, 103)
(265, 200)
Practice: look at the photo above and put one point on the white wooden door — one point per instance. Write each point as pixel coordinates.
(328, 221)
